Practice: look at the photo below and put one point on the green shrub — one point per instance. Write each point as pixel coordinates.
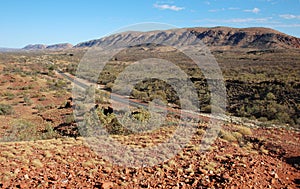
(263, 119)
(6, 109)
(27, 100)
(206, 109)
(283, 117)
(70, 119)
(141, 115)
(111, 124)
(23, 130)
(9, 95)
(49, 132)
(270, 96)
(40, 107)
(42, 98)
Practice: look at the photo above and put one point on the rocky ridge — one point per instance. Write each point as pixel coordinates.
(48, 47)
(224, 37)
(216, 37)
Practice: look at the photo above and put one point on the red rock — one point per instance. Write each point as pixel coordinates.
(107, 185)
(23, 185)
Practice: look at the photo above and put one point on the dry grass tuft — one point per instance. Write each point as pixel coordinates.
(244, 130)
(227, 135)
(37, 163)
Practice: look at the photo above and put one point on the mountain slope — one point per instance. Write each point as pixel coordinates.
(50, 47)
(261, 38)
(225, 37)
(34, 47)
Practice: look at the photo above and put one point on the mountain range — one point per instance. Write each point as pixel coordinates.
(50, 47)
(216, 37)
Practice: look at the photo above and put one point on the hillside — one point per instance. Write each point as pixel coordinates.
(34, 47)
(48, 47)
(257, 38)
(216, 37)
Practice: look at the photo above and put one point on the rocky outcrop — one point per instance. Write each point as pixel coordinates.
(216, 37)
(257, 38)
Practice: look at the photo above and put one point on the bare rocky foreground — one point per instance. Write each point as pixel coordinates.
(267, 158)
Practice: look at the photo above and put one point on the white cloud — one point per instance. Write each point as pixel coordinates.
(255, 10)
(244, 20)
(223, 9)
(288, 25)
(238, 20)
(289, 16)
(168, 7)
(233, 8)
(216, 10)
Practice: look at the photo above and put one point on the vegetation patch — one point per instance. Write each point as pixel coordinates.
(6, 109)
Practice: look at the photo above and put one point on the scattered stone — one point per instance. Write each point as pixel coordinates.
(107, 185)
(26, 176)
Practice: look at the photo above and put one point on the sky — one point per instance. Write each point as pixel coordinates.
(49, 22)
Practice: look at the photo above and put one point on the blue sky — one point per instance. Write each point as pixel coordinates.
(51, 21)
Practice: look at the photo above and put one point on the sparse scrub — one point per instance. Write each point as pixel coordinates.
(6, 109)
(88, 164)
(8, 154)
(244, 130)
(40, 108)
(264, 150)
(211, 166)
(227, 135)
(27, 100)
(8, 95)
(48, 133)
(23, 130)
(37, 163)
(238, 135)
(42, 98)
(70, 119)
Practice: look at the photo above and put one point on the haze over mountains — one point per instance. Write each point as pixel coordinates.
(219, 37)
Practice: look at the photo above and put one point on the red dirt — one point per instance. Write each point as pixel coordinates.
(226, 165)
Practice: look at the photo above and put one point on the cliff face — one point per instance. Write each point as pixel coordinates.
(258, 38)
(261, 38)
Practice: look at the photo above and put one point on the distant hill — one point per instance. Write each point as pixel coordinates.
(35, 47)
(60, 46)
(48, 47)
(2, 49)
(216, 37)
(222, 37)
(261, 38)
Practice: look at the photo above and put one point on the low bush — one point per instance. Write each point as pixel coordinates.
(244, 130)
(227, 135)
(23, 130)
(6, 109)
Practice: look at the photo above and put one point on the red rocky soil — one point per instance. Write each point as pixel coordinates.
(269, 158)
